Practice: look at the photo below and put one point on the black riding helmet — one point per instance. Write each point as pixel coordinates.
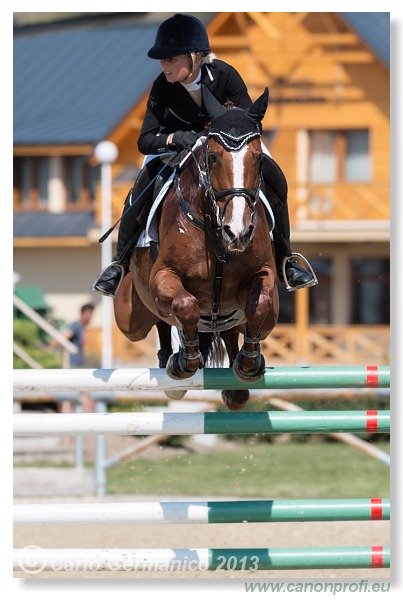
(180, 34)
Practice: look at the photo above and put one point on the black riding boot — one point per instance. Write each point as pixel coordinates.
(110, 278)
(296, 277)
(131, 225)
(276, 192)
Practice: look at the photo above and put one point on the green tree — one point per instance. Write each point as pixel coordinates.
(27, 336)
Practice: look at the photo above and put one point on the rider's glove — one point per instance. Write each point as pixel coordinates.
(184, 139)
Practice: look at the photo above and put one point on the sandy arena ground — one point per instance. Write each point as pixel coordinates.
(202, 536)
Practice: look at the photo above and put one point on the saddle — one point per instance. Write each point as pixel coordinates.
(143, 205)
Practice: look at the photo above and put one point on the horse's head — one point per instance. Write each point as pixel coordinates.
(233, 165)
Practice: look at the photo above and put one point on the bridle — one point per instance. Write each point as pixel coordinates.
(215, 230)
(251, 196)
(211, 207)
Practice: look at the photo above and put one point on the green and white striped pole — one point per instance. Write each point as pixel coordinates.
(369, 421)
(33, 559)
(115, 380)
(205, 512)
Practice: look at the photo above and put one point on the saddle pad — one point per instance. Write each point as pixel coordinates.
(151, 231)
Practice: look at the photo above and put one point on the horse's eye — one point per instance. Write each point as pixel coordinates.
(212, 158)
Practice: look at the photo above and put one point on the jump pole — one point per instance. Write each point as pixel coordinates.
(233, 511)
(370, 421)
(347, 438)
(34, 560)
(117, 380)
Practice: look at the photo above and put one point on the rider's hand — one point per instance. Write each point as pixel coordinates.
(184, 139)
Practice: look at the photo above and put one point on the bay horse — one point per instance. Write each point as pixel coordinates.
(214, 276)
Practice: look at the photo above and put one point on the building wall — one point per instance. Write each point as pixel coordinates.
(65, 275)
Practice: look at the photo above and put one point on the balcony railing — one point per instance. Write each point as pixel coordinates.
(329, 344)
(341, 201)
(323, 344)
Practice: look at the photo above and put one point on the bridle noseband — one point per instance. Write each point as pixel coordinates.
(250, 195)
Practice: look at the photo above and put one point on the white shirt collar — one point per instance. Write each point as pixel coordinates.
(195, 85)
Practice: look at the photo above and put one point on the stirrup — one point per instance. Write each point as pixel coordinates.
(291, 288)
(122, 274)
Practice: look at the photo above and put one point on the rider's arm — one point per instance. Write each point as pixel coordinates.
(153, 138)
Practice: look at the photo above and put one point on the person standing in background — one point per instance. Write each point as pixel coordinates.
(75, 333)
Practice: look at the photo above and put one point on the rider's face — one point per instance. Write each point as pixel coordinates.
(177, 68)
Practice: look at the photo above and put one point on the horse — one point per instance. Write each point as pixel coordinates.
(214, 275)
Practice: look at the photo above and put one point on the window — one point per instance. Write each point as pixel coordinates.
(26, 174)
(33, 176)
(76, 171)
(357, 156)
(43, 181)
(339, 156)
(371, 292)
(320, 295)
(323, 165)
(31, 181)
(287, 305)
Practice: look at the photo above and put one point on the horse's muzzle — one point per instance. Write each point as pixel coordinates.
(237, 243)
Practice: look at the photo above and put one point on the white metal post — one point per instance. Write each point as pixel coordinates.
(106, 153)
(106, 180)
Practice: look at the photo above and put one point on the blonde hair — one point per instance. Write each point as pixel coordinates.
(208, 59)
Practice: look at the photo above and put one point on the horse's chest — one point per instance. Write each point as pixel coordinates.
(230, 290)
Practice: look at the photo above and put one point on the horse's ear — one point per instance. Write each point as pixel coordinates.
(213, 107)
(258, 109)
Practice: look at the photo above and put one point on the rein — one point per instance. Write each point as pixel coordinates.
(211, 206)
(214, 232)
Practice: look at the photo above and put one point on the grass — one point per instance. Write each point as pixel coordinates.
(313, 470)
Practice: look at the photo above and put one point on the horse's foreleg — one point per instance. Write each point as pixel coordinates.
(260, 310)
(165, 338)
(173, 300)
(164, 354)
(234, 400)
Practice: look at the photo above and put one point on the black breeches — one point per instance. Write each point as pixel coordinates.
(276, 192)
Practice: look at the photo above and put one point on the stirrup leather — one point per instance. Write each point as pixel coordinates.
(122, 274)
(291, 288)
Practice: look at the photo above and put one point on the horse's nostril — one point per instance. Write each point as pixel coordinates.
(249, 234)
(230, 234)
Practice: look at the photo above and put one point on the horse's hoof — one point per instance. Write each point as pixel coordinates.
(248, 376)
(235, 400)
(175, 394)
(174, 370)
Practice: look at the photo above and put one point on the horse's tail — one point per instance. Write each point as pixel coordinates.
(216, 352)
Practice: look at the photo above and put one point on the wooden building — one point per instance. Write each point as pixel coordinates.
(327, 126)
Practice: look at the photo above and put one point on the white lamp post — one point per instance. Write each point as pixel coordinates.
(106, 153)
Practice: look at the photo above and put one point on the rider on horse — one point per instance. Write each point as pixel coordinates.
(174, 119)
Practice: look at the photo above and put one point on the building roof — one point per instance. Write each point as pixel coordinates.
(49, 225)
(74, 83)
(374, 30)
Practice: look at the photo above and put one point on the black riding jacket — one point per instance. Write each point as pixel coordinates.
(170, 107)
